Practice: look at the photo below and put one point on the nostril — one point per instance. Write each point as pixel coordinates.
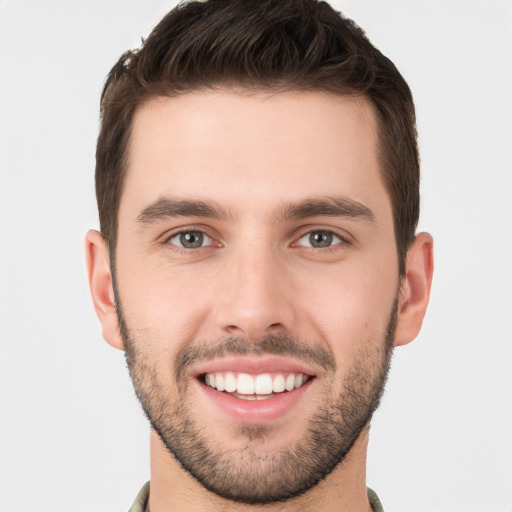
(254, 332)
(234, 330)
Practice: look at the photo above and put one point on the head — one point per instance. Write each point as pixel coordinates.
(257, 181)
(295, 45)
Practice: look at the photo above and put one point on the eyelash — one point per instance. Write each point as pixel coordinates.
(344, 240)
(187, 250)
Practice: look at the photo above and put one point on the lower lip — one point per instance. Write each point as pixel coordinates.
(255, 412)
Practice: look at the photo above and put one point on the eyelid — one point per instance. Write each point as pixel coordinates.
(206, 238)
(207, 232)
(345, 238)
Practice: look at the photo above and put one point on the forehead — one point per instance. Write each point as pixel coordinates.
(243, 149)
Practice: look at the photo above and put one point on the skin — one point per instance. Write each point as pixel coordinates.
(252, 155)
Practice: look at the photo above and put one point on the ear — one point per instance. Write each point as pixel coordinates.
(102, 291)
(415, 289)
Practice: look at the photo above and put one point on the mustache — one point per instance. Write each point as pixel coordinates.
(275, 344)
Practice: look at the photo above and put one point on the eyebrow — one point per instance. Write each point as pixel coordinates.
(326, 207)
(169, 207)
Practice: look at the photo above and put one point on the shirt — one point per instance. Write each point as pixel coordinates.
(141, 500)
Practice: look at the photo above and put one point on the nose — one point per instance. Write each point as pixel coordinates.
(255, 295)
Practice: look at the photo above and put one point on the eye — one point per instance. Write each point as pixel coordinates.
(190, 239)
(320, 239)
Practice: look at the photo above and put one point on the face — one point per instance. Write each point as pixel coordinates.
(256, 283)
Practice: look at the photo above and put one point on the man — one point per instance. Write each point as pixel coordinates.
(258, 188)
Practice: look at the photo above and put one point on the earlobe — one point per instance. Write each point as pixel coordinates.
(102, 291)
(415, 289)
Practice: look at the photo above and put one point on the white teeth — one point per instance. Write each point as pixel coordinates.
(278, 384)
(219, 382)
(263, 384)
(254, 387)
(245, 384)
(230, 382)
(290, 382)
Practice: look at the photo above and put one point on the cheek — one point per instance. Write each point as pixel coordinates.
(161, 318)
(165, 305)
(350, 309)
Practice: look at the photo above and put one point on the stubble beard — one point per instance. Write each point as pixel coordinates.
(255, 474)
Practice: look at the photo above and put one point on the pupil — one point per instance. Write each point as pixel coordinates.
(320, 239)
(191, 239)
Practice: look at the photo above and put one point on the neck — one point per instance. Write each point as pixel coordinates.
(174, 489)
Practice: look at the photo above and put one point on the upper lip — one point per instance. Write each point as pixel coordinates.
(253, 365)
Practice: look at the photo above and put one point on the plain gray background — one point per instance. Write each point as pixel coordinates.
(72, 436)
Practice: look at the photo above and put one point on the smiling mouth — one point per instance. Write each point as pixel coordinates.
(254, 387)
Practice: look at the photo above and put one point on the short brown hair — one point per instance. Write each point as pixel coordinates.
(264, 45)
